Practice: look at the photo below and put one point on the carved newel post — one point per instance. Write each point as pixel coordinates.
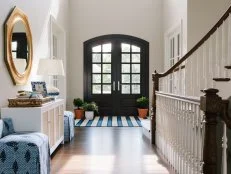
(155, 79)
(211, 104)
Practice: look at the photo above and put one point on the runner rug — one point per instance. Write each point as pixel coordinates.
(109, 121)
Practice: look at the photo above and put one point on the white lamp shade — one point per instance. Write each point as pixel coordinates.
(52, 67)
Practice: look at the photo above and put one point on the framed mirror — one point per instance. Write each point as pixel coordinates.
(18, 46)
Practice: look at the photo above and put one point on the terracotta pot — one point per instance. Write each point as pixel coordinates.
(142, 113)
(79, 113)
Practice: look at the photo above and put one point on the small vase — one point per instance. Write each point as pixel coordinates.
(79, 113)
(89, 115)
(142, 113)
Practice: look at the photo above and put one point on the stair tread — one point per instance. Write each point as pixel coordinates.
(228, 67)
(221, 79)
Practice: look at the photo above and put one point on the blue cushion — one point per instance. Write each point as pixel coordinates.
(8, 127)
(1, 128)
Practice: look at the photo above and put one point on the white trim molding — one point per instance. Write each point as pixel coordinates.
(174, 30)
(60, 34)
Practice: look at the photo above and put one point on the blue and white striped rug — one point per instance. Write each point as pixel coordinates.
(109, 121)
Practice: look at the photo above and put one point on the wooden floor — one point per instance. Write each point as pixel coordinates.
(107, 151)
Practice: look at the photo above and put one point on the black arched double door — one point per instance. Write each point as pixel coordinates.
(116, 73)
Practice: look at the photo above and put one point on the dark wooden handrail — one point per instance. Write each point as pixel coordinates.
(205, 38)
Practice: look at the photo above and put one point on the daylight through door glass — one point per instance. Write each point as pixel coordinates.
(130, 69)
(101, 69)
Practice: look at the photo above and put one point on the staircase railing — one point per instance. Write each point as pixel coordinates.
(184, 128)
(180, 132)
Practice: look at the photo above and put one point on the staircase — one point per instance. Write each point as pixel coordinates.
(186, 109)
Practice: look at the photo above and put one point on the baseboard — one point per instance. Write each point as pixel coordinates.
(52, 149)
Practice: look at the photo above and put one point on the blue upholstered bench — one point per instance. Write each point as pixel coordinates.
(23, 152)
(68, 126)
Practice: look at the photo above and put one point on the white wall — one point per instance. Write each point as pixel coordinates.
(89, 19)
(38, 12)
(202, 16)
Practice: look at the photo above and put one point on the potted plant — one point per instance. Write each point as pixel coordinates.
(79, 112)
(142, 104)
(89, 109)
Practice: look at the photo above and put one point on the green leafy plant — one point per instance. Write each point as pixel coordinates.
(78, 103)
(142, 102)
(90, 107)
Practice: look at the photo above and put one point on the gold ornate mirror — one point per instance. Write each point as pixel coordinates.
(18, 46)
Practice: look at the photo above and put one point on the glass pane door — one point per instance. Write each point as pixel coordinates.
(101, 69)
(130, 69)
(116, 73)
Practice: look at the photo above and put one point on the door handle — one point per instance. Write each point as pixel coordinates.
(113, 85)
(118, 86)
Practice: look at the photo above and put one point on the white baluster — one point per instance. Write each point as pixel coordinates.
(224, 53)
(204, 70)
(201, 140)
(194, 139)
(185, 137)
(179, 79)
(199, 137)
(198, 69)
(201, 64)
(192, 74)
(181, 136)
(229, 42)
(183, 82)
(224, 150)
(211, 62)
(218, 52)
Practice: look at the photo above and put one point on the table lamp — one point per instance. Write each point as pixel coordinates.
(51, 67)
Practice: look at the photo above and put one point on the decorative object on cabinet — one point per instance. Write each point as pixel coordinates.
(29, 95)
(51, 67)
(142, 104)
(39, 87)
(79, 112)
(24, 94)
(52, 92)
(18, 46)
(32, 147)
(47, 119)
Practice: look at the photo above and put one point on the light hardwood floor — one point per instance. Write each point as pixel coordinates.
(108, 151)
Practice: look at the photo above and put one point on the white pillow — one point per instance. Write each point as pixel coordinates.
(1, 128)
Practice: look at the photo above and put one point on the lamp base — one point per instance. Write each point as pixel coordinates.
(53, 98)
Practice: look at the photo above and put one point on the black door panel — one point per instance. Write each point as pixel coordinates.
(116, 72)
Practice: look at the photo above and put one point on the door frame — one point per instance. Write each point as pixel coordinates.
(108, 38)
(173, 31)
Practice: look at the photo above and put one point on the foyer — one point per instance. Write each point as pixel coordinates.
(108, 54)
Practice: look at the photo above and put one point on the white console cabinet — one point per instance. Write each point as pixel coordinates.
(47, 119)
